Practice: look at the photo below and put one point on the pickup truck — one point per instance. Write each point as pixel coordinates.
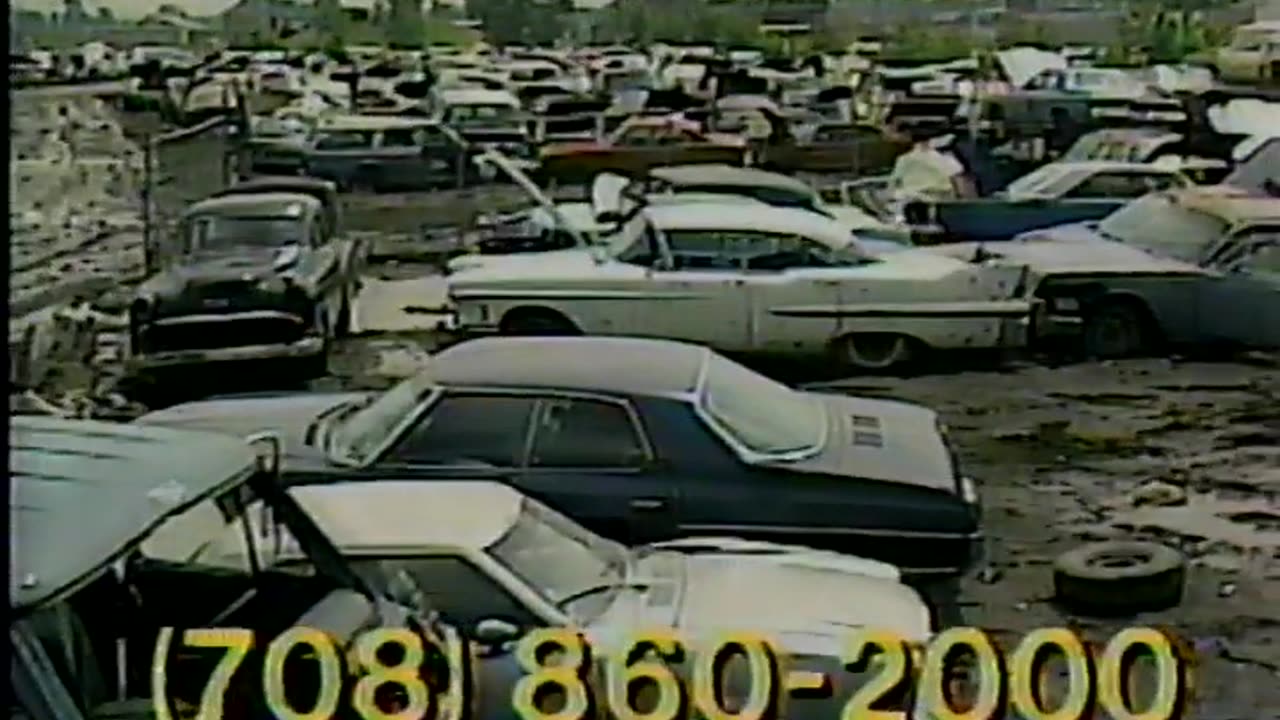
(1055, 194)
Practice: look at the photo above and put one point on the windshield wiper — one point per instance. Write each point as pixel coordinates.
(603, 587)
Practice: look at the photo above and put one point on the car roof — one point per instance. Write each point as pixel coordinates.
(371, 122)
(616, 365)
(738, 216)
(386, 514)
(720, 174)
(267, 203)
(1232, 204)
(478, 96)
(84, 492)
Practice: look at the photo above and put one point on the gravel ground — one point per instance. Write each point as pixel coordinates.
(1063, 455)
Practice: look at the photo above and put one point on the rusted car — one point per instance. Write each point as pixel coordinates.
(381, 153)
(258, 272)
(838, 147)
(1192, 266)
(639, 144)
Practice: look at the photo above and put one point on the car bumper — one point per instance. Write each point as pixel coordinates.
(305, 348)
(1057, 326)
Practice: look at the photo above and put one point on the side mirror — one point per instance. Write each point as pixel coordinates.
(494, 632)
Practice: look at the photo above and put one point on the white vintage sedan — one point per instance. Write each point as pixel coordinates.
(482, 552)
(748, 278)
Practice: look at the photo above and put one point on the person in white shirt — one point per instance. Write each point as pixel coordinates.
(929, 171)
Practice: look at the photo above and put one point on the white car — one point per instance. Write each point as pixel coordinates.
(748, 278)
(485, 555)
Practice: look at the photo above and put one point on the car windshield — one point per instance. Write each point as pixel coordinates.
(760, 414)
(216, 231)
(355, 437)
(558, 559)
(1160, 226)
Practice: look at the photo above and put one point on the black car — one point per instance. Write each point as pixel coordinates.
(640, 440)
(259, 271)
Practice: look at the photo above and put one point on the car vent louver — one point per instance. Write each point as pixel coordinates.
(868, 439)
(865, 421)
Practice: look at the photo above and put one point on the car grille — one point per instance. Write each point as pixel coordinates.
(212, 335)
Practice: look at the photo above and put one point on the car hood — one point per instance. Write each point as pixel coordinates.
(807, 601)
(238, 263)
(1070, 250)
(289, 416)
(886, 440)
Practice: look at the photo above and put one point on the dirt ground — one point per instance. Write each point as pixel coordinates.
(1059, 454)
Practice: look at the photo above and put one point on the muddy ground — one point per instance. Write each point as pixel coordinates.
(1063, 456)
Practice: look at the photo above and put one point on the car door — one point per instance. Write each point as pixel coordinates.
(460, 428)
(398, 162)
(1240, 301)
(792, 288)
(336, 154)
(463, 593)
(591, 458)
(697, 291)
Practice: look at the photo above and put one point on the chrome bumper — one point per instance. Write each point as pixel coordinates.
(304, 348)
(1016, 333)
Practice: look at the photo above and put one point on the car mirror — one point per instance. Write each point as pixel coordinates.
(495, 632)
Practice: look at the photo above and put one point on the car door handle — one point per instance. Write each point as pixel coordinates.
(648, 504)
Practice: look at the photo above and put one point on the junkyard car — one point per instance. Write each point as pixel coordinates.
(637, 145)
(1197, 266)
(379, 153)
(1054, 194)
(259, 272)
(748, 278)
(87, 611)
(482, 552)
(860, 149)
(536, 229)
(640, 440)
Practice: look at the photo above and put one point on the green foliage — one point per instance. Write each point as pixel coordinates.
(646, 21)
(522, 21)
(928, 44)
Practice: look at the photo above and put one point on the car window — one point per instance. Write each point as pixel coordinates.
(462, 427)
(344, 140)
(791, 251)
(402, 137)
(463, 593)
(1264, 260)
(577, 432)
(1121, 185)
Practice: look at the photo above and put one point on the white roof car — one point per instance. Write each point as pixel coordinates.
(483, 551)
(744, 278)
(1094, 179)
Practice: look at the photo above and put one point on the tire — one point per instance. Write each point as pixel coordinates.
(1119, 578)
(536, 322)
(874, 351)
(1117, 329)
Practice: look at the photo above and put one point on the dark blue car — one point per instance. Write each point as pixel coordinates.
(641, 440)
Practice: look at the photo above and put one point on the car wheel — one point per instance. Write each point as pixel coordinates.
(1119, 578)
(537, 322)
(875, 351)
(1117, 330)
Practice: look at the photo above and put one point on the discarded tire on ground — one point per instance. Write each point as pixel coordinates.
(1119, 578)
